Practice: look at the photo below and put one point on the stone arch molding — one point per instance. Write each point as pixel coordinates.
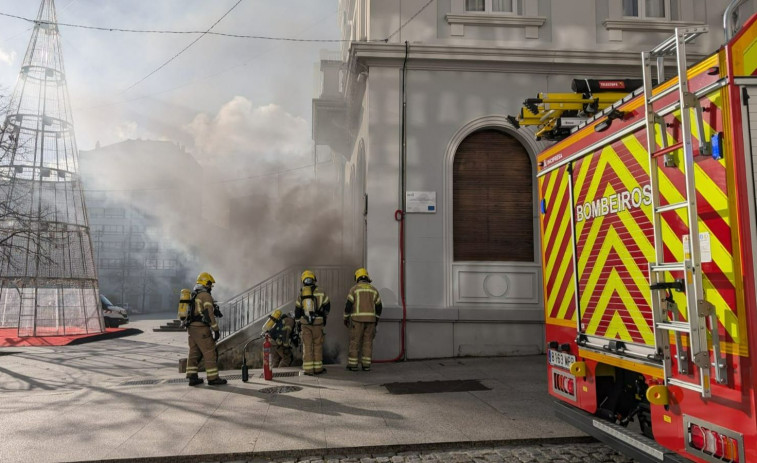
(517, 275)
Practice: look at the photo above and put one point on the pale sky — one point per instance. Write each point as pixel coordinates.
(192, 91)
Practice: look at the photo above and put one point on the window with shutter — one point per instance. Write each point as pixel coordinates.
(492, 199)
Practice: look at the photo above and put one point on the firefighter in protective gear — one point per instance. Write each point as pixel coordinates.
(279, 328)
(311, 310)
(361, 314)
(203, 332)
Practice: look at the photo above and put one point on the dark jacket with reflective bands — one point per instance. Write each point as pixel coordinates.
(204, 303)
(363, 303)
(281, 333)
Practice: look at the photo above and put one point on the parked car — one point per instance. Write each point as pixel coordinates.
(114, 315)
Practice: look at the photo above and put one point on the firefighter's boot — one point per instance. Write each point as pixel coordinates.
(194, 380)
(217, 382)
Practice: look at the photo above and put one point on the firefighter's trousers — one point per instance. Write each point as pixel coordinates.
(281, 356)
(201, 344)
(361, 343)
(312, 348)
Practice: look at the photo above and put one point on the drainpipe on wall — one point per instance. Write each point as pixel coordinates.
(403, 277)
(399, 214)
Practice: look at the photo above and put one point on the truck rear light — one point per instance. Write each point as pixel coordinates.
(696, 437)
(717, 443)
(563, 384)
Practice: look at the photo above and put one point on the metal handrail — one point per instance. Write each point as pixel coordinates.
(277, 292)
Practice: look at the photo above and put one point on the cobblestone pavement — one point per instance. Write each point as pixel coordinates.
(538, 453)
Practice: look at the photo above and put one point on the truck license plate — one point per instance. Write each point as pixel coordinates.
(560, 359)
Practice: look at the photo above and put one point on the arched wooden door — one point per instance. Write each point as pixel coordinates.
(493, 207)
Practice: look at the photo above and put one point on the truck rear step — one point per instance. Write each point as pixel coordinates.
(630, 443)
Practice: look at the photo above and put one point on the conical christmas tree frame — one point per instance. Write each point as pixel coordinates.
(48, 280)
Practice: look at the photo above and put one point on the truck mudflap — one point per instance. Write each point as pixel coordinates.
(630, 443)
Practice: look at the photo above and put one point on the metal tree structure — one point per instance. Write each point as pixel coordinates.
(48, 280)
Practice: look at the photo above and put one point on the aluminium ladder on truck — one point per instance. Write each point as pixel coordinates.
(698, 310)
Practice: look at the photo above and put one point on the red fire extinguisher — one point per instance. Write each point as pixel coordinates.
(267, 373)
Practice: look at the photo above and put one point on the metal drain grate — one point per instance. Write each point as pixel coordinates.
(184, 380)
(434, 387)
(280, 389)
(142, 382)
(177, 381)
(284, 374)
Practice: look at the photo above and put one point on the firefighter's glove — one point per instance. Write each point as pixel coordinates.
(216, 335)
(347, 322)
(217, 311)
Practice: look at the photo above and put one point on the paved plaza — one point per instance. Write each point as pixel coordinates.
(124, 399)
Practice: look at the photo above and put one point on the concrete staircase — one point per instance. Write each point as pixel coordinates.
(245, 313)
(173, 325)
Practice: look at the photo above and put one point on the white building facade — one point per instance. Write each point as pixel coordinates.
(472, 260)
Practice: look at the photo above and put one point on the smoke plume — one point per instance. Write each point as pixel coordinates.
(243, 204)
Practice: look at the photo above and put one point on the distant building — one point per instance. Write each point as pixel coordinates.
(472, 258)
(130, 188)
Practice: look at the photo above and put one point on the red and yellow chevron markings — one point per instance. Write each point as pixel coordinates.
(556, 237)
(615, 247)
(720, 279)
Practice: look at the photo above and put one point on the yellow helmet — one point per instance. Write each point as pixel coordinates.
(276, 315)
(307, 274)
(361, 273)
(205, 279)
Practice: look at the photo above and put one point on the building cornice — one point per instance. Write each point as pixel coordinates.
(498, 59)
(493, 19)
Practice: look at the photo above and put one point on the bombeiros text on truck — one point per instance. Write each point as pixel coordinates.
(648, 232)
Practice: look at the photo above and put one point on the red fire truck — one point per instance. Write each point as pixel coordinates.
(649, 232)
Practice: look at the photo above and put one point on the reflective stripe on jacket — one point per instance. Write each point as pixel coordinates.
(204, 302)
(363, 303)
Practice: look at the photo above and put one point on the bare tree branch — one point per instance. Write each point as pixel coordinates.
(22, 229)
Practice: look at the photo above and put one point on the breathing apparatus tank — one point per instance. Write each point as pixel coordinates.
(185, 301)
(308, 303)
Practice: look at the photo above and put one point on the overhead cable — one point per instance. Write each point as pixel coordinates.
(210, 32)
(409, 20)
(183, 49)
(170, 32)
(197, 80)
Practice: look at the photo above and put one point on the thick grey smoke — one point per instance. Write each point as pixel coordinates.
(244, 205)
(244, 136)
